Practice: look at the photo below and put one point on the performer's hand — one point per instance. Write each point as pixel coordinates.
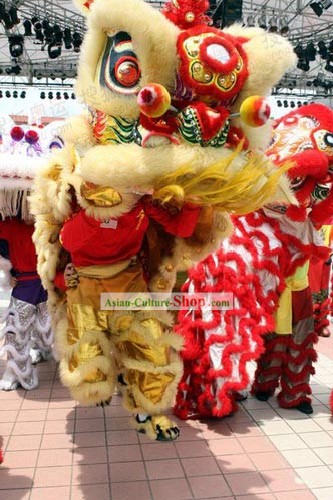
(13, 282)
(70, 275)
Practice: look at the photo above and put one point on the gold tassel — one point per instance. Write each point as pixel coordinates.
(227, 187)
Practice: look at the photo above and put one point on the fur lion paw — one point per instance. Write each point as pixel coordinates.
(157, 427)
(104, 403)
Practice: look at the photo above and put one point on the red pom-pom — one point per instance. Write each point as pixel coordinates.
(187, 13)
(31, 136)
(17, 133)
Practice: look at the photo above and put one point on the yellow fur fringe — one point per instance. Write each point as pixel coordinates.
(223, 186)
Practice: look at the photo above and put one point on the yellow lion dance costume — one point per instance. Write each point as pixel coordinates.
(143, 187)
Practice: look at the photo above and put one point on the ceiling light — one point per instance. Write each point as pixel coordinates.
(273, 24)
(68, 39)
(27, 28)
(13, 70)
(262, 20)
(251, 21)
(77, 41)
(319, 7)
(13, 15)
(310, 51)
(16, 45)
(53, 50)
(284, 26)
(322, 49)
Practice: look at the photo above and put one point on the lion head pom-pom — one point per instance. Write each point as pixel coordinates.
(187, 13)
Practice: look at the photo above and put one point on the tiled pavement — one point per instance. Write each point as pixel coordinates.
(55, 449)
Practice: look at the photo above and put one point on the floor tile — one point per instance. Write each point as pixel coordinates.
(231, 464)
(247, 483)
(59, 427)
(21, 459)
(316, 477)
(325, 454)
(284, 480)
(126, 453)
(166, 489)
(200, 466)
(90, 425)
(53, 441)
(288, 442)
(89, 412)
(306, 458)
(164, 469)
(87, 439)
(209, 486)
(224, 446)
(268, 461)
(90, 474)
(52, 476)
(60, 414)
(317, 439)
(30, 442)
(258, 496)
(121, 437)
(158, 450)
(90, 492)
(323, 493)
(55, 457)
(304, 425)
(256, 444)
(194, 448)
(325, 422)
(128, 471)
(128, 491)
(8, 416)
(15, 478)
(61, 492)
(24, 428)
(15, 494)
(295, 495)
(31, 415)
(274, 427)
(93, 455)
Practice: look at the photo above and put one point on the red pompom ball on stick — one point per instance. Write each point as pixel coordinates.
(31, 136)
(154, 100)
(17, 133)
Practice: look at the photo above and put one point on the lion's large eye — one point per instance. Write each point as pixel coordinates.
(119, 67)
(127, 71)
(297, 182)
(328, 139)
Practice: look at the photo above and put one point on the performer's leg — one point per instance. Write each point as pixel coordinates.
(269, 366)
(17, 334)
(151, 369)
(295, 387)
(42, 335)
(84, 346)
(319, 280)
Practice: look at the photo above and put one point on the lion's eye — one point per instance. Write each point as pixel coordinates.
(297, 182)
(328, 138)
(120, 69)
(127, 71)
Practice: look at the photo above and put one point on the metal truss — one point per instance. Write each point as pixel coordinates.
(303, 26)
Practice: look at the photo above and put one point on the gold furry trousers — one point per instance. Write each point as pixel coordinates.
(137, 347)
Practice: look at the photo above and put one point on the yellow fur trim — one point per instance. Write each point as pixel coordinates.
(141, 404)
(222, 186)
